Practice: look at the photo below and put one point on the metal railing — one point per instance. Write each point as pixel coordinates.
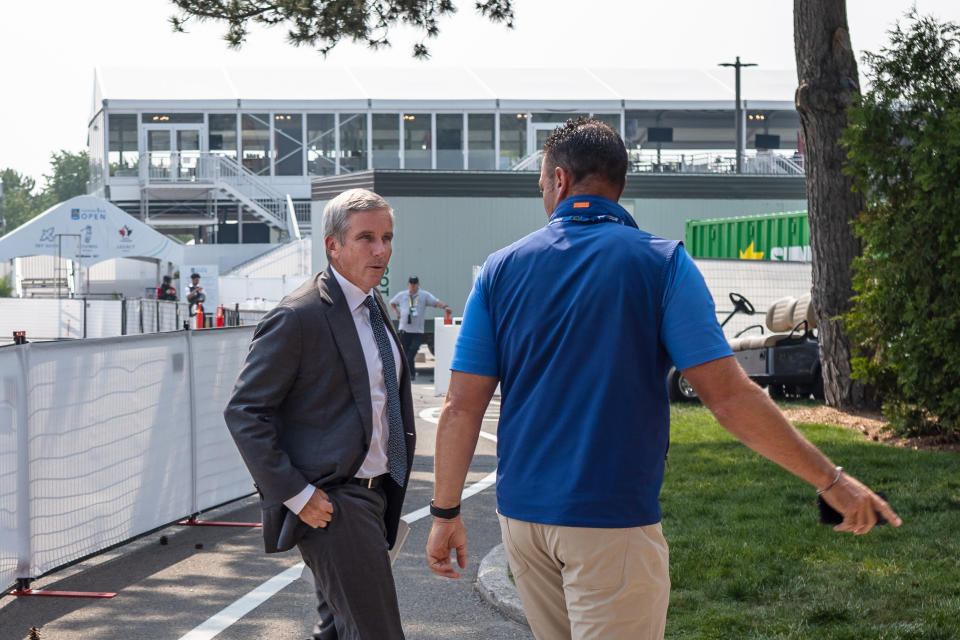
(648, 161)
(218, 171)
(529, 163)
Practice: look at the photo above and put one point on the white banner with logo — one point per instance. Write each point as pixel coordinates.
(90, 230)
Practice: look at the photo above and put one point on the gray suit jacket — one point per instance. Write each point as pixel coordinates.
(300, 411)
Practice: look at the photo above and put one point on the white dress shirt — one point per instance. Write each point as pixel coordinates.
(375, 463)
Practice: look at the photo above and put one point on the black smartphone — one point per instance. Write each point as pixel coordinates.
(829, 515)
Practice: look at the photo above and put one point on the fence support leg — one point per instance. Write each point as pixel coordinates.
(23, 589)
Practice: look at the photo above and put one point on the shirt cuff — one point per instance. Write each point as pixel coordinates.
(299, 501)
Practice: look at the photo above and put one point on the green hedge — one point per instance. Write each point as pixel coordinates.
(904, 155)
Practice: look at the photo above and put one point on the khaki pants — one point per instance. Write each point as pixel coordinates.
(583, 582)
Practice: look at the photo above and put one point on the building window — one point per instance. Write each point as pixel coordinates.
(449, 141)
(124, 157)
(513, 138)
(353, 142)
(288, 143)
(386, 141)
(417, 141)
(256, 142)
(321, 144)
(223, 134)
(481, 142)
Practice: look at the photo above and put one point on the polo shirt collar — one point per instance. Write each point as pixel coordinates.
(351, 292)
(587, 206)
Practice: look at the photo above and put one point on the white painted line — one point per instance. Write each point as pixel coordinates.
(230, 614)
(488, 480)
(472, 490)
(432, 415)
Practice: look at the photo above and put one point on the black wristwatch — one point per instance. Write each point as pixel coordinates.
(446, 514)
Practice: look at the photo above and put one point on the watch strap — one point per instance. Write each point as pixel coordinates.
(446, 514)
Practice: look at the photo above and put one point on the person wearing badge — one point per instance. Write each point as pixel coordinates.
(410, 306)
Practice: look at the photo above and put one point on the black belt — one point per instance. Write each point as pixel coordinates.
(369, 483)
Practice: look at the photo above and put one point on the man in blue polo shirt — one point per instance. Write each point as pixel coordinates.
(584, 419)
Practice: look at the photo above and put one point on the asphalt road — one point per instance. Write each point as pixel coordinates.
(182, 582)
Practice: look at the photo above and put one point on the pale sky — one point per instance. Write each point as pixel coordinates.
(48, 51)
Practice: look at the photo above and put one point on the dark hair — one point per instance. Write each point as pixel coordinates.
(194, 275)
(166, 278)
(587, 147)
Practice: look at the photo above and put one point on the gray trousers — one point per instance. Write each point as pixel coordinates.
(351, 568)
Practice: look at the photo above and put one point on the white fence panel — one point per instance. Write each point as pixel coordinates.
(217, 358)
(11, 430)
(148, 320)
(172, 315)
(132, 315)
(104, 319)
(109, 443)
(102, 440)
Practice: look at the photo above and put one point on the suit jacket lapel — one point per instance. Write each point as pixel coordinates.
(348, 344)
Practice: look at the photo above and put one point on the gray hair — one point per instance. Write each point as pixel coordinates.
(336, 215)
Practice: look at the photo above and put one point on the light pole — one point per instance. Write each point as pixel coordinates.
(739, 111)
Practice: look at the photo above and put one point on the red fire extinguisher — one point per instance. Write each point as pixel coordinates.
(199, 316)
(220, 316)
(448, 319)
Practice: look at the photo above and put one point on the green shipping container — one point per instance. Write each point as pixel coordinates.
(772, 236)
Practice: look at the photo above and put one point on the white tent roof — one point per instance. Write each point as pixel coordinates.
(430, 85)
(105, 232)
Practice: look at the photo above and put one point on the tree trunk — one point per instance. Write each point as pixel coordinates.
(827, 75)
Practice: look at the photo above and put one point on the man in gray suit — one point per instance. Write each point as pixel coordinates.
(323, 418)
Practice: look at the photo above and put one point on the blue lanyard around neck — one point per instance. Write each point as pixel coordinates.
(587, 219)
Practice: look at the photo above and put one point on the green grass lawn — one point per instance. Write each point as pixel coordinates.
(748, 558)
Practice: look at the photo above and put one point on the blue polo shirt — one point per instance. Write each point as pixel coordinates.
(580, 321)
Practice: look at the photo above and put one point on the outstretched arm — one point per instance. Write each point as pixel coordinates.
(457, 434)
(743, 409)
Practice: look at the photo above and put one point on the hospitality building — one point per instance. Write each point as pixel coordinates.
(229, 155)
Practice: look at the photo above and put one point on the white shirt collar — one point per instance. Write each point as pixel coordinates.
(354, 295)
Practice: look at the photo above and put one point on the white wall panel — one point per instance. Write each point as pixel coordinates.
(42, 319)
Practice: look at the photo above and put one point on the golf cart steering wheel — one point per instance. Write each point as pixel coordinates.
(741, 304)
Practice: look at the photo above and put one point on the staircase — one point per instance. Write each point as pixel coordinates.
(167, 175)
(530, 162)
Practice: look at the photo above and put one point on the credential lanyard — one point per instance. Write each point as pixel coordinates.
(587, 219)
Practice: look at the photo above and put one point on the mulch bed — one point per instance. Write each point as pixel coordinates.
(872, 426)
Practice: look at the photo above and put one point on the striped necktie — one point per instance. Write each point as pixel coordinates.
(396, 445)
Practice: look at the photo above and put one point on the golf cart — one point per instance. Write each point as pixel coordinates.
(786, 360)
